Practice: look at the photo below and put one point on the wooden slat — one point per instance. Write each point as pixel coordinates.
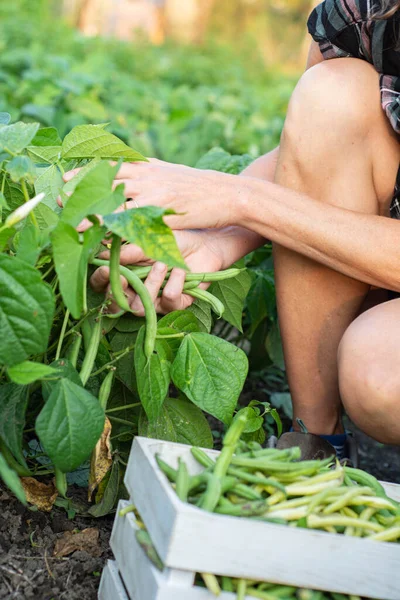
(111, 586)
(190, 539)
(143, 581)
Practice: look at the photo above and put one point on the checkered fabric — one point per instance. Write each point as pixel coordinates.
(345, 28)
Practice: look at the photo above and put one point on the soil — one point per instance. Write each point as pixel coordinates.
(28, 568)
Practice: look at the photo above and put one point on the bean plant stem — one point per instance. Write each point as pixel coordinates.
(118, 408)
(26, 198)
(116, 359)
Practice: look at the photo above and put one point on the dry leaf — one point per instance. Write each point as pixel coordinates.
(101, 460)
(87, 540)
(40, 494)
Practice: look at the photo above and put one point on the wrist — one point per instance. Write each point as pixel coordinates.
(245, 191)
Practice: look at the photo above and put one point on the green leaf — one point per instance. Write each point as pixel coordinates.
(232, 293)
(211, 373)
(27, 372)
(21, 167)
(26, 311)
(179, 421)
(71, 257)
(125, 366)
(15, 138)
(13, 195)
(5, 235)
(190, 424)
(3, 201)
(70, 186)
(27, 244)
(44, 154)
(69, 425)
(65, 370)
(145, 228)
(10, 477)
(46, 217)
(283, 401)
(13, 403)
(129, 323)
(253, 419)
(260, 300)
(202, 312)
(273, 345)
(160, 428)
(91, 141)
(219, 160)
(5, 118)
(152, 376)
(110, 496)
(93, 195)
(178, 321)
(50, 182)
(47, 136)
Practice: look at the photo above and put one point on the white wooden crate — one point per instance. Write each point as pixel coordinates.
(190, 539)
(111, 586)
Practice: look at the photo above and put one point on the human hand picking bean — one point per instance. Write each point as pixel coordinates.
(200, 255)
(201, 198)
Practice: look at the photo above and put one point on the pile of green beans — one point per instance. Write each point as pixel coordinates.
(135, 277)
(273, 485)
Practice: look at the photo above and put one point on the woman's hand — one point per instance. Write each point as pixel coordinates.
(200, 254)
(202, 199)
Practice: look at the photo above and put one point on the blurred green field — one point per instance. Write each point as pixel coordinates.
(172, 102)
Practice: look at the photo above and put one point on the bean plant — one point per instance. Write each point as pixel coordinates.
(75, 381)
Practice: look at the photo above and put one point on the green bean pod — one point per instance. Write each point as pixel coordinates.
(232, 436)
(257, 479)
(216, 304)
(105, 388)
(91, 352)
(182, 481)
(115, 278)
(247, 509)
(169, 471)
(241, 589)
(150, 313)
(143, 538)
(202, 457)
(73, 352)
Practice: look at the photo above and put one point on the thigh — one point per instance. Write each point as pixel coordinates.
(369, 380)
(373, 340)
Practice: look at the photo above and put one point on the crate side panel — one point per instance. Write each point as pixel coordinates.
(111, 586)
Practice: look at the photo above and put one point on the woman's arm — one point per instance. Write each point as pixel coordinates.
(232, 243)
(364, 247)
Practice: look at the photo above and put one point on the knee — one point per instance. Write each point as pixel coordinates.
(369, 389)
(336, 97)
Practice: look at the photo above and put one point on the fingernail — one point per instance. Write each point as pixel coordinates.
(69, 175)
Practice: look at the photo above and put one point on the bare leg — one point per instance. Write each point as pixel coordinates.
(369, 358)
(337, 146)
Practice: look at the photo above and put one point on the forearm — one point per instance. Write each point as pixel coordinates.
(235, 242)
(364, 247)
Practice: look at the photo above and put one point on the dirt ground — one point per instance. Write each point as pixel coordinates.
(28, 568)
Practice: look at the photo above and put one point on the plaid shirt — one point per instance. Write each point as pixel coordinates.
(345, 28)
